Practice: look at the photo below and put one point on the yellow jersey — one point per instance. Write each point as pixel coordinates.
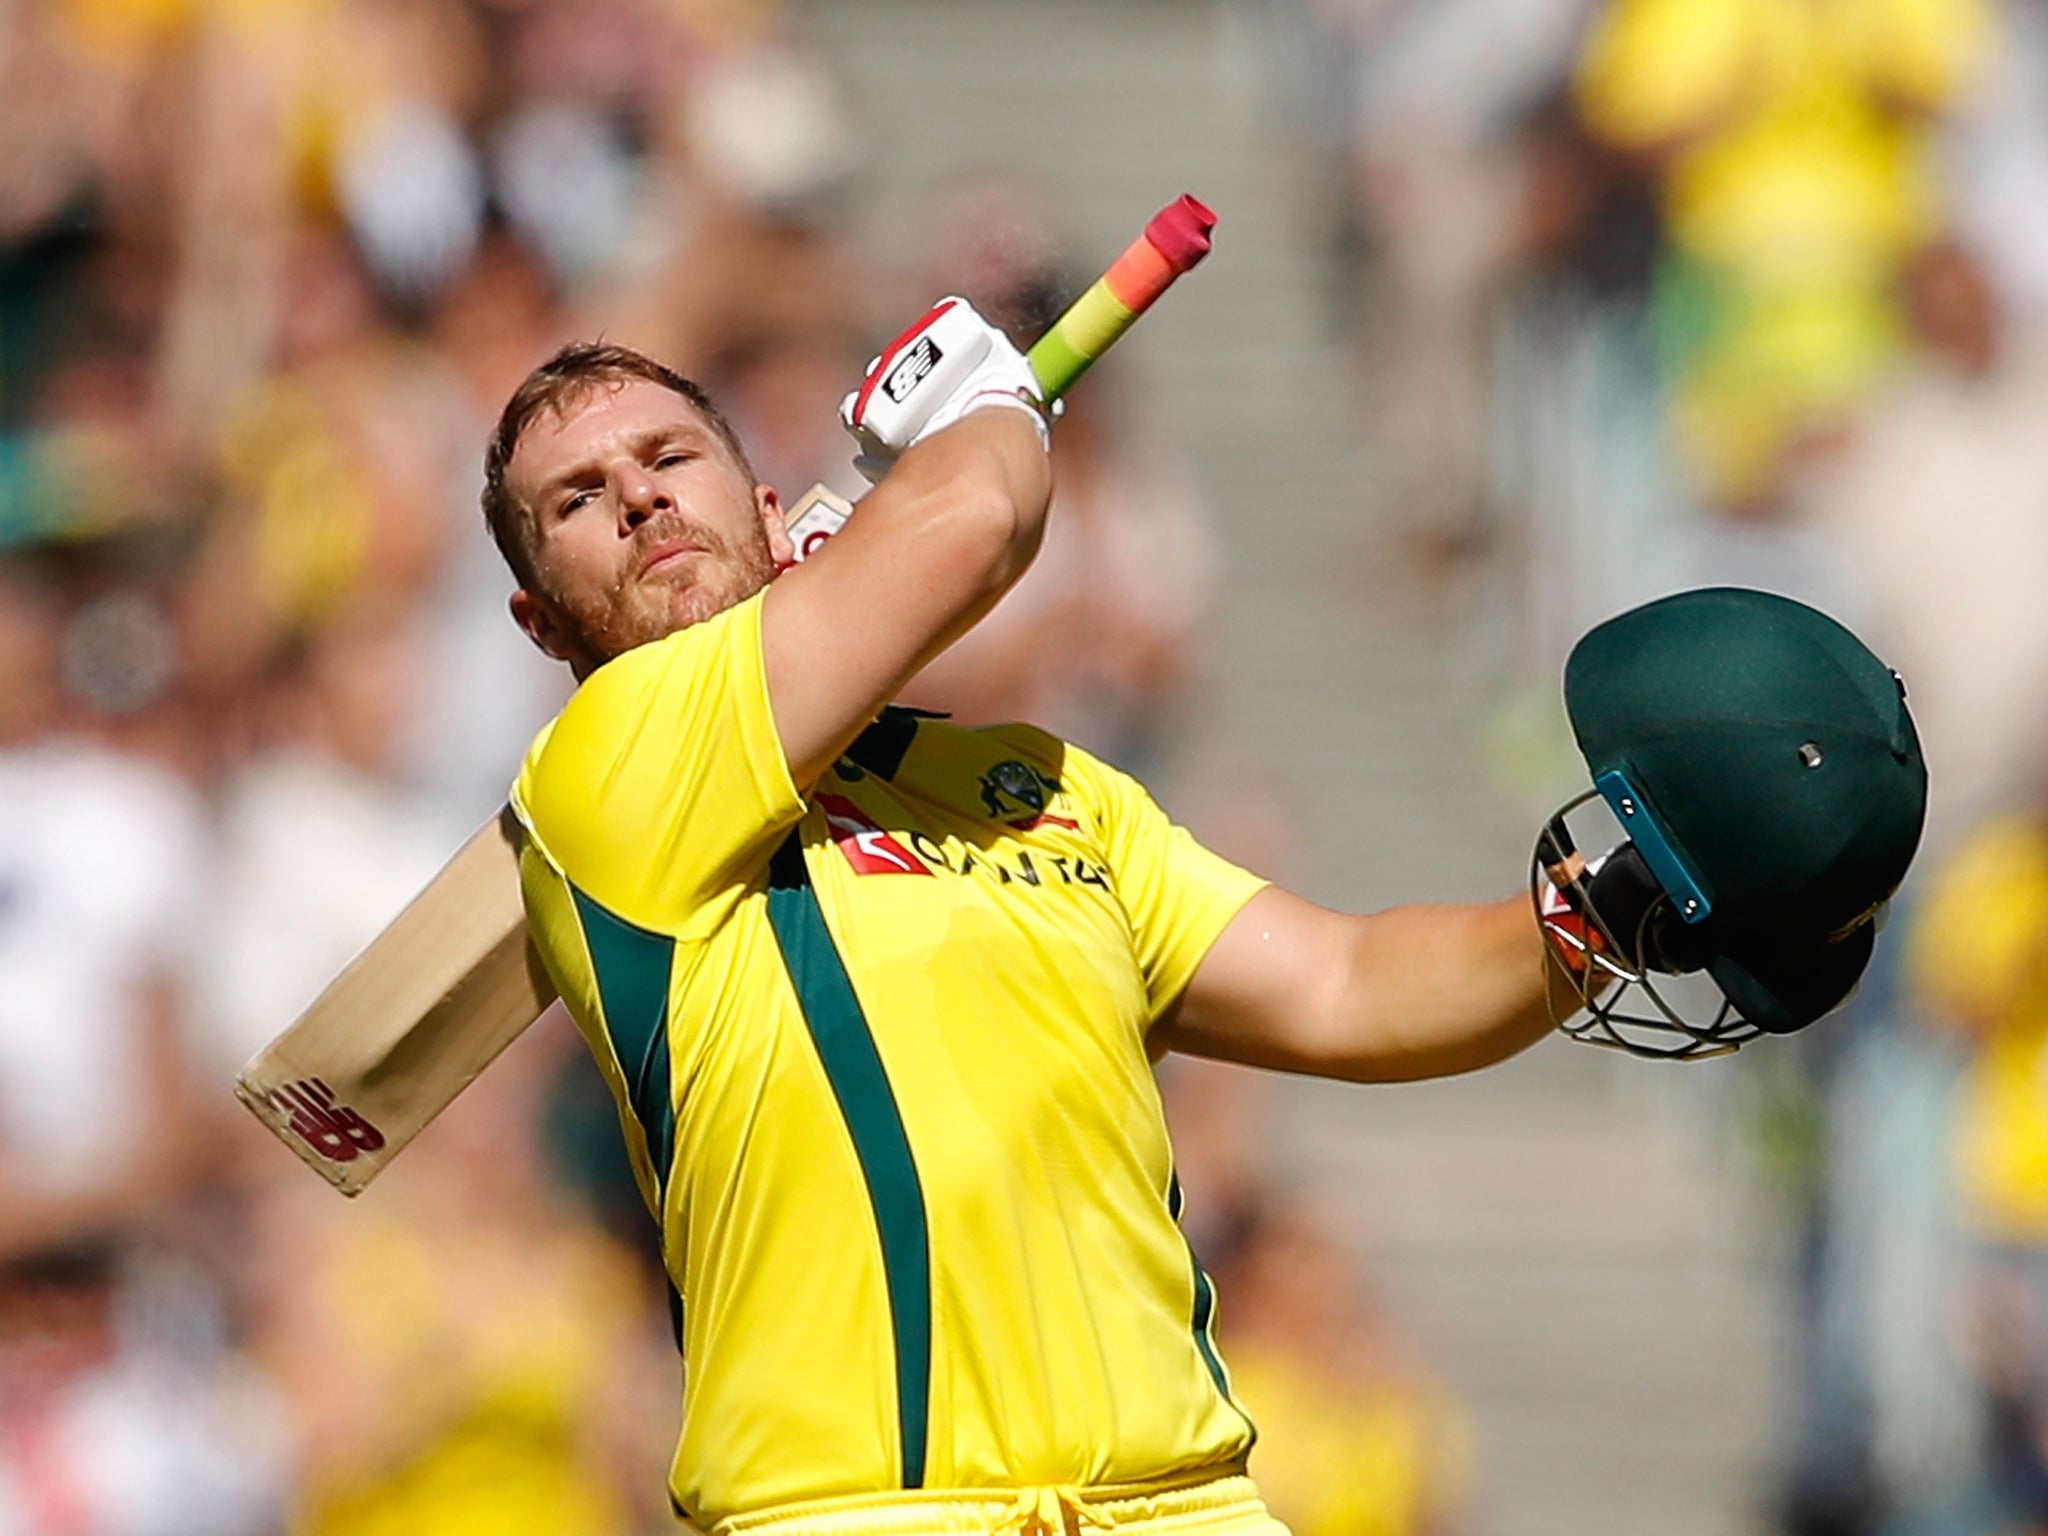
(880, 1057)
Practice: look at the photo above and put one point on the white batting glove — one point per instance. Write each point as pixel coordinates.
(947, 366)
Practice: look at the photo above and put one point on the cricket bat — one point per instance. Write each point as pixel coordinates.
(455, 979)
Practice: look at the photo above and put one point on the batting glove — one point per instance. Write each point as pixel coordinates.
(947, 366)
(1618, 892)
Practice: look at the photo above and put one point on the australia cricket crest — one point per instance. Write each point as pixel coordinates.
(1017, 794)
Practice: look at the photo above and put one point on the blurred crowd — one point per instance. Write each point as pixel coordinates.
(1651, 294)
(1642, 294)
(267, 271)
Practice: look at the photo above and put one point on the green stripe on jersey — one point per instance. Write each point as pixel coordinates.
(1203, 1319)
(846, 1047)
(632, 967)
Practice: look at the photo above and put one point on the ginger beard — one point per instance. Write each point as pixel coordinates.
(642, 521)
(646, 603)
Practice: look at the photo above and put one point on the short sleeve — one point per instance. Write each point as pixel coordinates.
(1179, 896)
(663, 779)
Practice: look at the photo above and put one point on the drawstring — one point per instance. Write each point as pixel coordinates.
(1052, 1509)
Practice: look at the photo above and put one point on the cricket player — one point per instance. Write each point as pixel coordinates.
(879, 997)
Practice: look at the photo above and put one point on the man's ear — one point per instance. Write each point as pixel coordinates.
(533, 615)
(769, 505)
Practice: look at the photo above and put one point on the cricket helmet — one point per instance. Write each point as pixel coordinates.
(1770, 791)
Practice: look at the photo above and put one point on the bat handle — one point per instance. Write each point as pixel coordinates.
(1176, 239)
(1173, 242)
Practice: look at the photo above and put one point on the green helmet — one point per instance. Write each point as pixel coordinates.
(1769, 784)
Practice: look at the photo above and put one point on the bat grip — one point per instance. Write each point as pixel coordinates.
(1173, 242)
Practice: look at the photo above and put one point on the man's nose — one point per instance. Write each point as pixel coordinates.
(640, 495)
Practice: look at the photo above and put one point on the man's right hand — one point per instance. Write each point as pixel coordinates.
(1623, 895)
(948, 365)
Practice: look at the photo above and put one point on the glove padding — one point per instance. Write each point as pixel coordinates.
(947, 366)
(1625, 896)
(1618, 894)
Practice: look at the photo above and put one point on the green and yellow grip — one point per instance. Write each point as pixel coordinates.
(1173, 242)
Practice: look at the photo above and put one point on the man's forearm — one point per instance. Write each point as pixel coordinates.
(1476, 991)
(990, 473)
(1415, 991)
(935, 545)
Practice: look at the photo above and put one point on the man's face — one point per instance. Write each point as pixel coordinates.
(642, 522)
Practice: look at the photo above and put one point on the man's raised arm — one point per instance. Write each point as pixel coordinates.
(950, 529)
(1411, 992)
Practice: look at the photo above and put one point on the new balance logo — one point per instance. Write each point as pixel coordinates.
(911, 369)
(333, 1130)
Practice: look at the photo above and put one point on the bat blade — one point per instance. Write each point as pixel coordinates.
(410, 1023)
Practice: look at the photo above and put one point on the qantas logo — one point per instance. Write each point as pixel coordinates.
(873, 850)
(868, 848)
(335, 1131)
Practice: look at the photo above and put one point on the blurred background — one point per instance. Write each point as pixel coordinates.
(1523, 311)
